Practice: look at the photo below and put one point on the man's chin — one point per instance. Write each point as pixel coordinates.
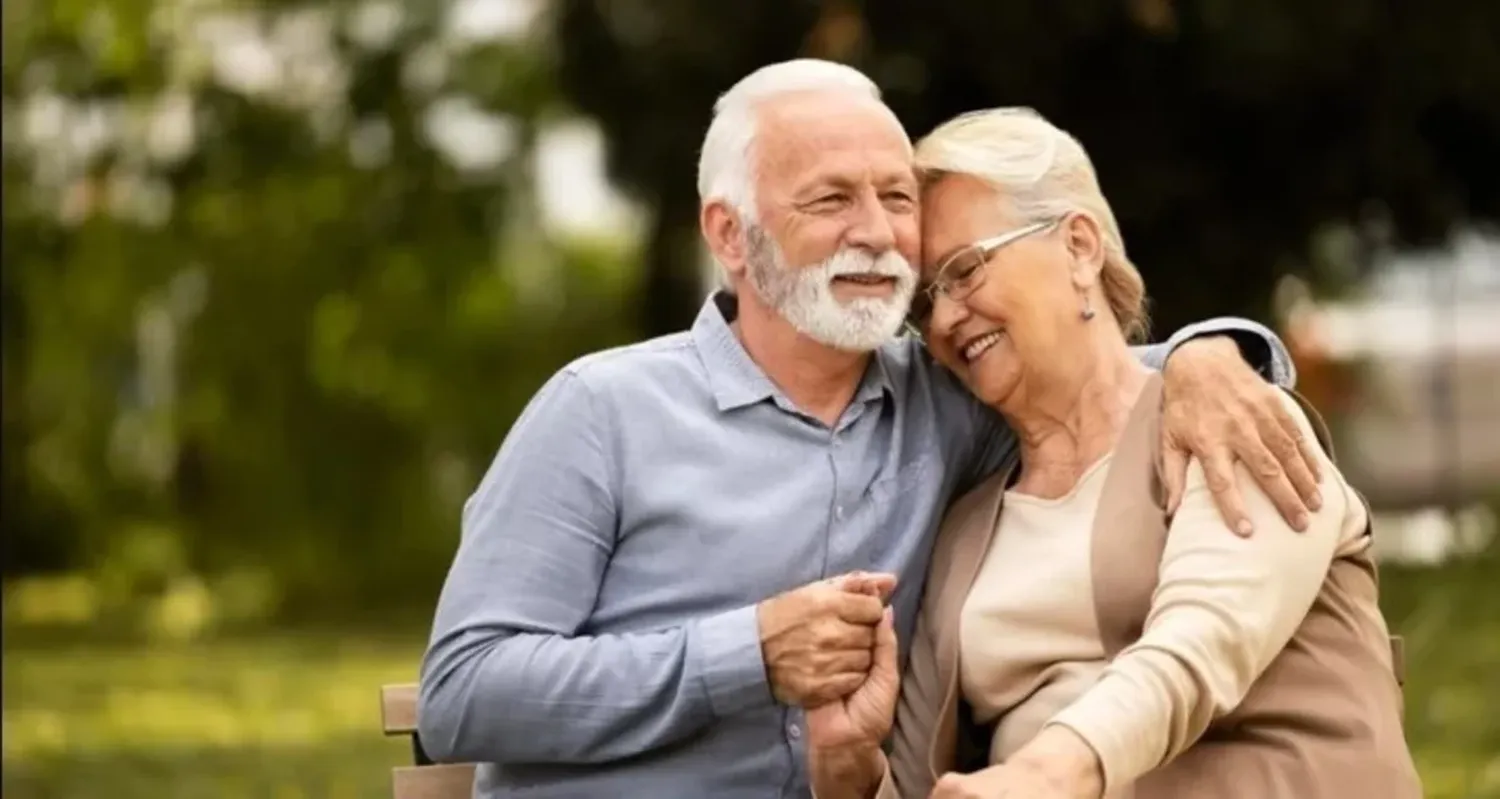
(856, 332)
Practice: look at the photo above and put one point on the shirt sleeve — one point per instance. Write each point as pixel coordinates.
(994, 444)
(1224, 608)
(510, 673)
(1259, 345)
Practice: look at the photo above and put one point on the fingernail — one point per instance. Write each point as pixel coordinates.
(1244, 528)
(1301, 522)
(1317, 500)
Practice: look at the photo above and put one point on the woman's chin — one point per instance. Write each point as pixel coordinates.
(990, 382)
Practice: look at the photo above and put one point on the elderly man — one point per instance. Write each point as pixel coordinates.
(654, 575)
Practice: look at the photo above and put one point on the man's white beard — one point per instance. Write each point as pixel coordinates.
(804, 295)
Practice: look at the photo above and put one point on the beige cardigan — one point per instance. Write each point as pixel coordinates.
(1324, 720)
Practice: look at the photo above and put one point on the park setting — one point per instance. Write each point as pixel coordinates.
(280, 276)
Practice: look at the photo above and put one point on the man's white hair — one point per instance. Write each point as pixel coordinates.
(726, 168)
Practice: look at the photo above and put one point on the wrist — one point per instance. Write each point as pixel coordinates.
(1064, 757)
(1213, 347)
(849, 772)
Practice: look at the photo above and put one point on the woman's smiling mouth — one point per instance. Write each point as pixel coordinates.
(978, 346)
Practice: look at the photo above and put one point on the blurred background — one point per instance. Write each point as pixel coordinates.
(279, 275)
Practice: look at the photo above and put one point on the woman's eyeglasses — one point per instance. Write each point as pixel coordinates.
(961, 273)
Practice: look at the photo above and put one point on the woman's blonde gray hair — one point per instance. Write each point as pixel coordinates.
(1042, 173)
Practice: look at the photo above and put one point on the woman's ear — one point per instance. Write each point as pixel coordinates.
(1085, 242)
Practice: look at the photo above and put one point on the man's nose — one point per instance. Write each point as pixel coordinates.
(871, 229)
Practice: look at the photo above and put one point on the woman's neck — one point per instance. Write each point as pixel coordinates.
(1072, 412)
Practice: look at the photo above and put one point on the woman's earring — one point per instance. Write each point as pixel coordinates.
(1088, 309)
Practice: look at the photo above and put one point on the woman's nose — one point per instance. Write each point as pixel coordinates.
(947, 314)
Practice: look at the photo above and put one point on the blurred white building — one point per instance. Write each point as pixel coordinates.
(1418, 424)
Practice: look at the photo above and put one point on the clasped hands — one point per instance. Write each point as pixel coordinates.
(820, 641)
(830, 648)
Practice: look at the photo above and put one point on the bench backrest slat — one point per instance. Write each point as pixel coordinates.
(433, 782)
(398, 709)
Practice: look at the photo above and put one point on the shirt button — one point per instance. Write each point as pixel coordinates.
(793, 731)
(838, 512)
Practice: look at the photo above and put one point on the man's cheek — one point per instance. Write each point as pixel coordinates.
(908, 239)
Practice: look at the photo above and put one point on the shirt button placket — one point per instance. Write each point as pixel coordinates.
(838, 510)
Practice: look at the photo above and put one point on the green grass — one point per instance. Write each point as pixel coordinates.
(296, 714)
(1451, 620)
(283, 716)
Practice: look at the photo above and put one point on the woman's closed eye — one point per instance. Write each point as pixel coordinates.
(961, 272)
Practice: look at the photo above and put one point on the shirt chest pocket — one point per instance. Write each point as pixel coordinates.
(914, 483)
(889, 527)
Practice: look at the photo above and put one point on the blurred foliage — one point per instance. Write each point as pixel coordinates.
(263, 327)
(257, 321)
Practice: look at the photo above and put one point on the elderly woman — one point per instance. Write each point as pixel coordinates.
(1075, 640)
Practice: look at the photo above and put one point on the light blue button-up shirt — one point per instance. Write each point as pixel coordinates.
(596, 635)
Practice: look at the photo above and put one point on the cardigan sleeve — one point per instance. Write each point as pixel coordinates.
(1224, 608)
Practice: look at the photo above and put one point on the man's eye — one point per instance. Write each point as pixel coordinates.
(899, 199)
(828, 201)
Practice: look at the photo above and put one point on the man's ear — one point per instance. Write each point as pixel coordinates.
(724, 232)
(1085, 242)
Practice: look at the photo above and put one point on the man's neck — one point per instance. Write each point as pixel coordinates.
(818, 379)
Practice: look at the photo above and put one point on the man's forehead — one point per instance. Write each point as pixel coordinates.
(804, 129)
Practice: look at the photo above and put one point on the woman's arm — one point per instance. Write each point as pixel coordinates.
(867, 771)
(1224, 608)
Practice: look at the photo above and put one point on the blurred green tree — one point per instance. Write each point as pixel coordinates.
(260, 316)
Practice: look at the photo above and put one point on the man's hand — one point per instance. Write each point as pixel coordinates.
(1220, 410)
(818, 640)
(1056, 764)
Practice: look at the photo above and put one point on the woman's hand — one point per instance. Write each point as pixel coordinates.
(999, 782)
(1056, 764)
(1219, 410)
(844, 736)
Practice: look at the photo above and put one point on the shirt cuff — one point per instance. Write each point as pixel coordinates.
(724, 651)
(1259, 345)
(1107, 725)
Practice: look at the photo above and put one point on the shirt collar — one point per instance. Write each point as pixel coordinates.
(737, 381)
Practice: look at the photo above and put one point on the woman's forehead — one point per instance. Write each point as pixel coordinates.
(957, 211)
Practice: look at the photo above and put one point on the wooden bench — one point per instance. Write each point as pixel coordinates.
(426, 780)
(423, 779)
